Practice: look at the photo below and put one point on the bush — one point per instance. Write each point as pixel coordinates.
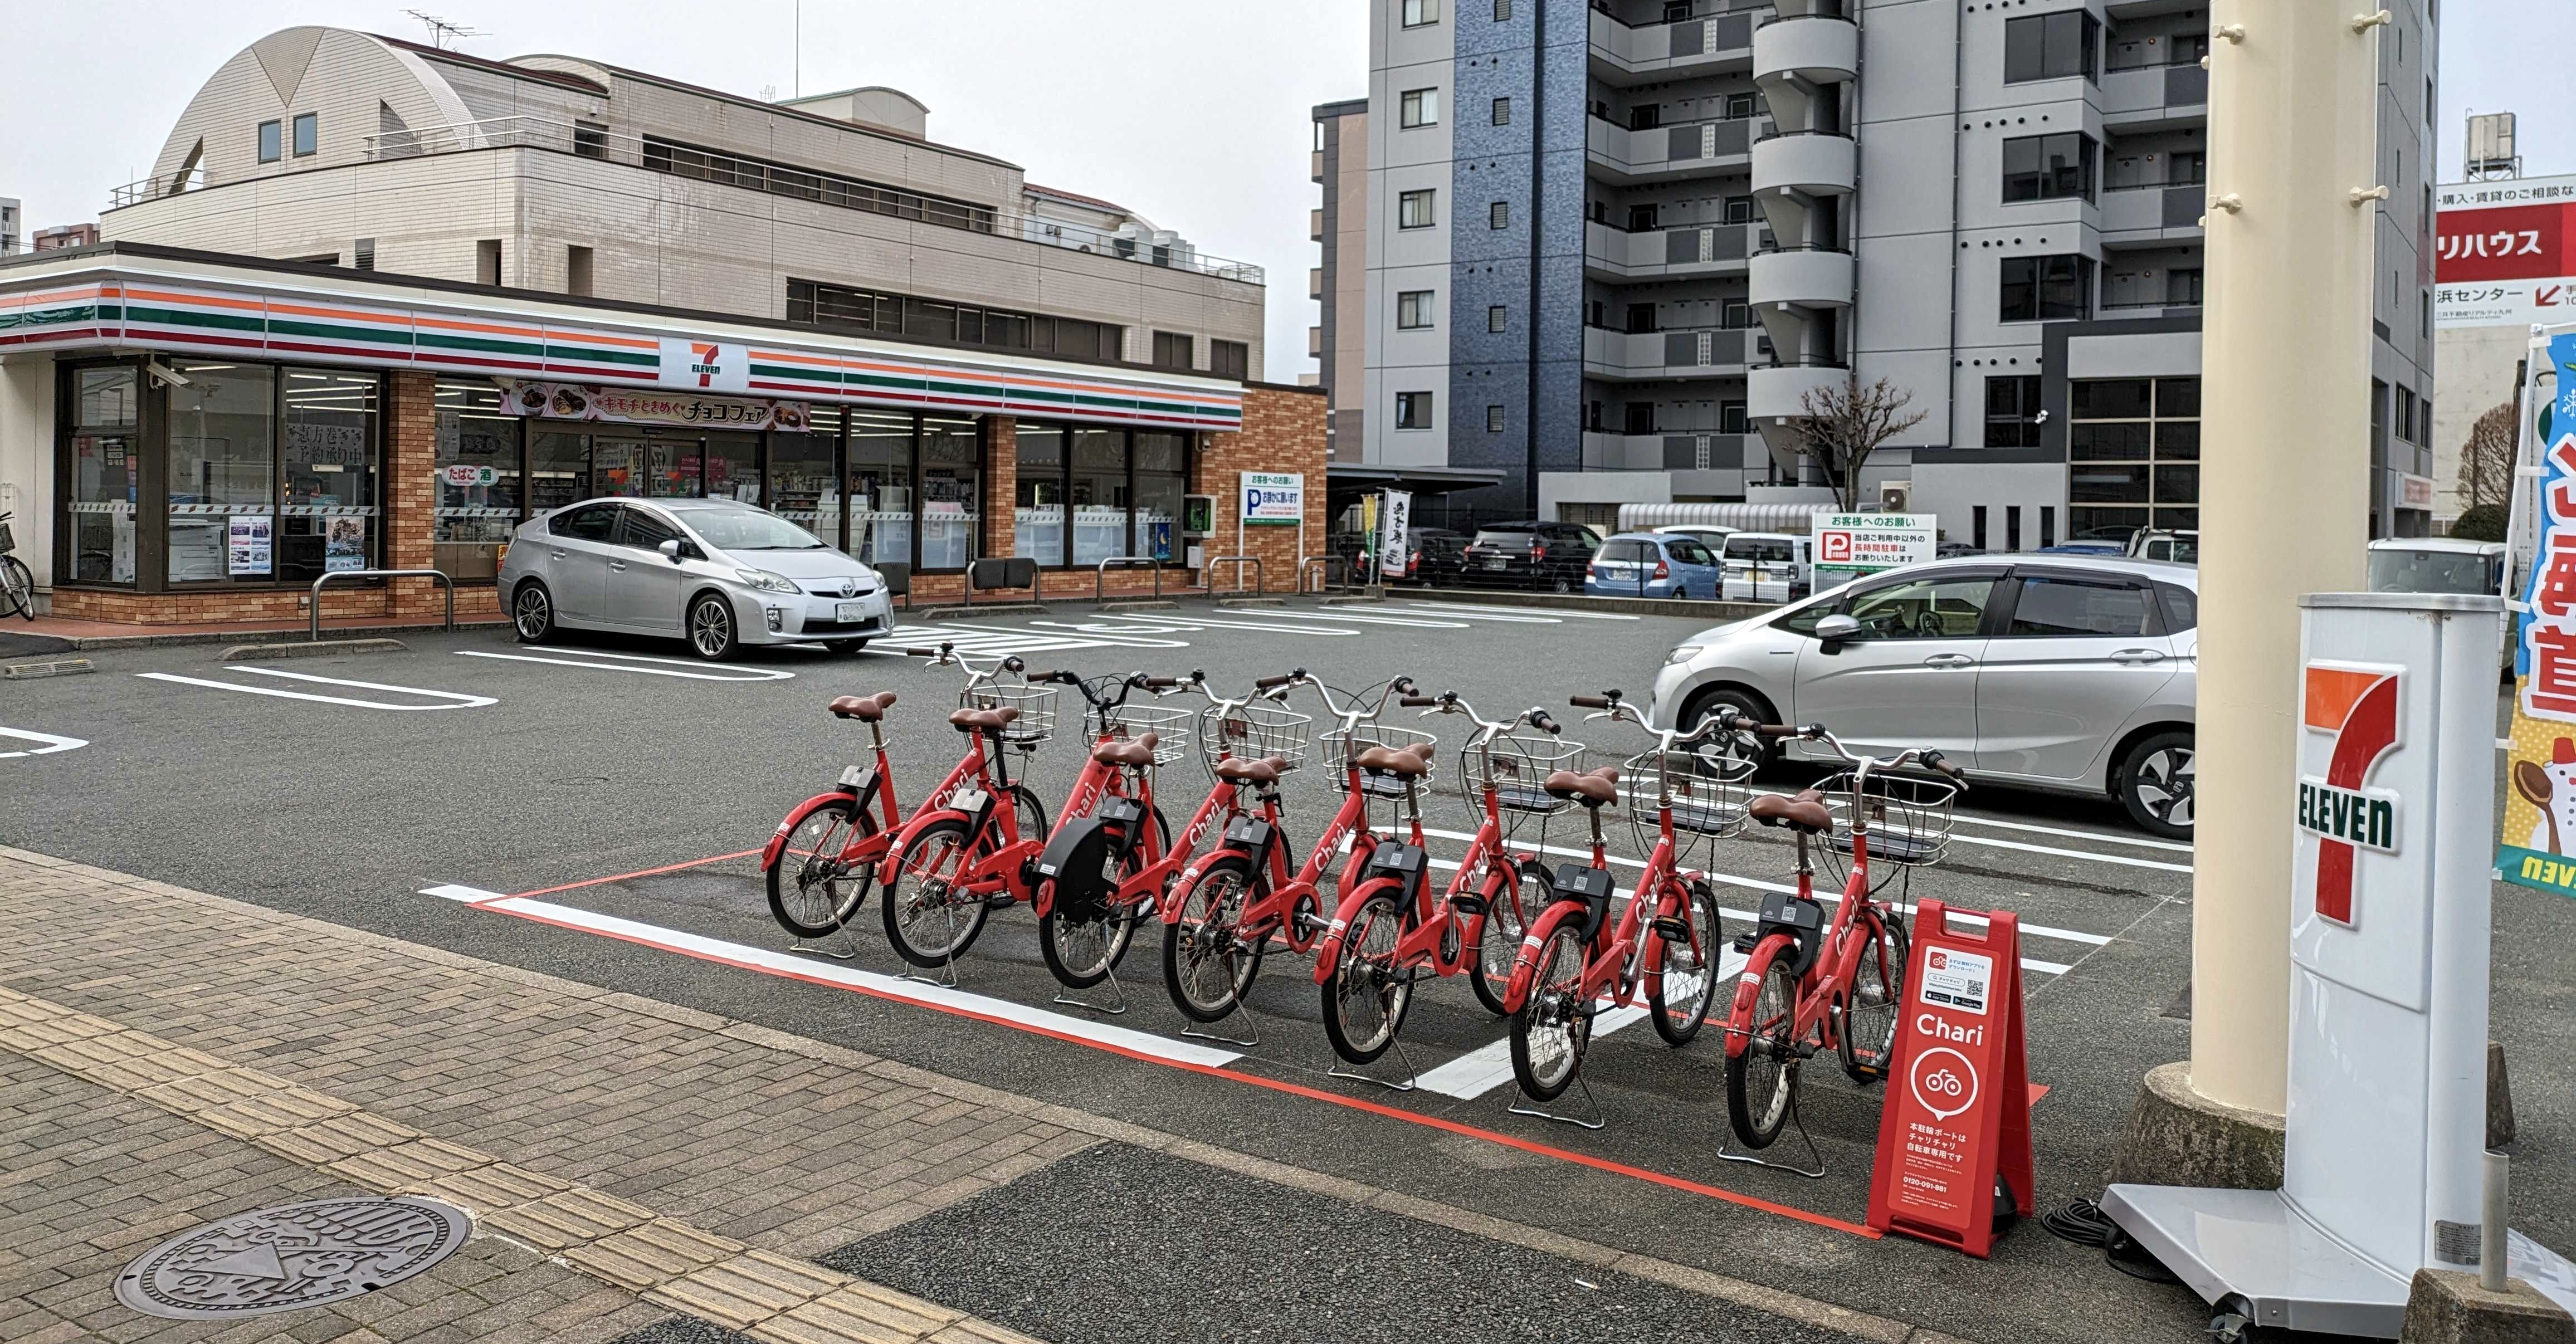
(2480, 522)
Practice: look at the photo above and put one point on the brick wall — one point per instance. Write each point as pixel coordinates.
(410, 492)
(1283, 430)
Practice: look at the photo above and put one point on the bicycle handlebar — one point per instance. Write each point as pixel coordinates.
(1268, 683)
(1418, 701)
(1161, 683)
(1588, 702)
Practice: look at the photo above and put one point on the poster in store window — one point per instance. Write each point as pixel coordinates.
(249, 540)
(344, 544)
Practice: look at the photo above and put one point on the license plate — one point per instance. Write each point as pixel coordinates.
(1495, 562)
(853, 612)
(850, 777)
(968, 800)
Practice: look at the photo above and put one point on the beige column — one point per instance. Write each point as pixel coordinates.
(2285, 484)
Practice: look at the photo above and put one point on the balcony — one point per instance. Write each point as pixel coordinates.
(1678, 452)
(1314, 165)
(1684, 250)
(1808, 51)
(1684, 352)
(2154, 97)
(1807, 277)
(1805, 163)
(1661, 153)
(2151, 211)
(1778, 392)
(1622, 55)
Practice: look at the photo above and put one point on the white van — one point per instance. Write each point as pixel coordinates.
(1766, 567)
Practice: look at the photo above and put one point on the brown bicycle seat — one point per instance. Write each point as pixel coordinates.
(864, 708)
(1139, 753)
(1242, 771)
(1804, 812)
(1408, 762)
(984, 720)
(1592, 788)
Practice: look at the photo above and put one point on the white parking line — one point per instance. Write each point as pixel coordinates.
(49, 742)
(1567, 615)
(2060, 852)
(1083, 1031)
(668, 667)
(2106, 837)
(459, 701)
(1347, 614)
(1456, 612)
(1489, 1066)
(2120, 859)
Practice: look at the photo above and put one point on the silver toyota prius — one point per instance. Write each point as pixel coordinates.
(719, 574)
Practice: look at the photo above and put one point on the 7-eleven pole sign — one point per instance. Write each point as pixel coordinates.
(2356, 705)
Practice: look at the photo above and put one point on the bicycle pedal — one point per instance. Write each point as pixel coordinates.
(1468, 905)
(1744, 942)
(1000, 900)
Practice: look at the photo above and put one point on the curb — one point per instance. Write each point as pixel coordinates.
(1638, 606)
(1142, 604)
(1252, 601)
(980, 609)
(59, 667)
(84, 643)
(312, 649)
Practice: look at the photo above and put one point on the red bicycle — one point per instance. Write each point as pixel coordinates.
(963, 854)
(823, 860)
(1227, 905)
(1811, 983)
(1102, 844)
(1575, 962)
(1388, 933)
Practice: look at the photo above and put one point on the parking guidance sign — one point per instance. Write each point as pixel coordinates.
(1849, 545)
(1276, 498)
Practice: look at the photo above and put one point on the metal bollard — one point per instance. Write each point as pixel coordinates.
(2491, 1235)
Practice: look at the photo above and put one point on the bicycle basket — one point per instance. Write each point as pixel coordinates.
(1908, 816)
(1251, 732)
(1708, 789)
(8, 541)
(1170, 725)
(1340, 748)
(1514, 765)
(1036, 705)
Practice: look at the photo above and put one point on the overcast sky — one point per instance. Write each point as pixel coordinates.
(1193, 113)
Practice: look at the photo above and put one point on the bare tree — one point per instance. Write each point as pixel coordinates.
(1847, 423)
(2486, 460)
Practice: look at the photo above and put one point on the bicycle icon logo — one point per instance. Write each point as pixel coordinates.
(1944, 1082)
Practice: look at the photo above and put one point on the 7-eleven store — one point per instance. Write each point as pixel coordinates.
(190, 437)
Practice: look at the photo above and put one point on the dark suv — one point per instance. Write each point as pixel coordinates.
(1438, 555)
(1550, 556)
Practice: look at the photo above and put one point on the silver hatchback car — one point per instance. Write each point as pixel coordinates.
(714, 572)
(2066, 673)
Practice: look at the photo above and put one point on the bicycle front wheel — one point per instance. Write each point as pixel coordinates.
(811, 890)
(1867, 1035)
(1368, 995)
(1207, 967)
(1554, 1025)
(17, 587)
(1680, 1002)
(1761, 1079)
(1499, 941)
(929, 918)
(1082, 947)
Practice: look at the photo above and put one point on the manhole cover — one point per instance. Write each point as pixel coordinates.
(291, 1256)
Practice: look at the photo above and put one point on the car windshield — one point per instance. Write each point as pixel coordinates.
(2407, 571)
(747, 530)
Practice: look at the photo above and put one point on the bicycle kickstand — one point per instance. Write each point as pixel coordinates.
(1116, 1006)
(814, 948)
(1412, 1076)
(1594, 1121)
(1726, 1152)
(1250, 1038)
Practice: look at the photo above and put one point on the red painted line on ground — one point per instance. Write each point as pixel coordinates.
(1253, 1080)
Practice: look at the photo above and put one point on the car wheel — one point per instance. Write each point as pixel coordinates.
(1563, 583)
(532, 613)
(711, 633)
(1764, 751)
(2155, 784)
(845, 645)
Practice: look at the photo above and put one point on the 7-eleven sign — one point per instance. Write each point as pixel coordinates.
(2356, 705)
(699, 365)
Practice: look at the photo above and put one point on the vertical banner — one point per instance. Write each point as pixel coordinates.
(1957, 1115)
(2536, 846)
(1394, 534)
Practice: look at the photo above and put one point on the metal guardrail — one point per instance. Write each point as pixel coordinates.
(1259, 585)
(1324, 580)
(1100, 576)
(439, 574)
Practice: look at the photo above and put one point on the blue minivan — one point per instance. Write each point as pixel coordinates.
(1654, 564)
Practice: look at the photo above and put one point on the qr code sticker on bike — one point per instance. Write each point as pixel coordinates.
(1960, 981)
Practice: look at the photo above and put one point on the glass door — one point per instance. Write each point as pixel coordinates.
(105, 477)
(222, 491)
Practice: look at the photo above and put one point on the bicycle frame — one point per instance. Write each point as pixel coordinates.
(873, 788)
(1098, 781)
(993, 826)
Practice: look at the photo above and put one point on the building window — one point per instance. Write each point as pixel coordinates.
(308, 133)
(1739, 106)
(102, 473)
(2050, 46)
(2048, 167)
(1502, 11)
(1230, 359)
(880, 489)
(1413, 209)
(1741, 210)
(951, 448)
(1498, 215)
(476, 466)
(1413, 410)
(1037, 511)
(1735, 314)
(1639, 417)
(2012, 411)
(1418, 13)
(487, 262)
(2182, 286)
(2133, 452)
(1413, 310)
(1497, 318)
(1977, 526)
(577, 269)
(1731, 418)
(1418, 108)
(2047, 289)
(271, 147)
(590, 139)
(853, 309)
(711, 165)
(1502, 111)
(1172, 350)
(1494, 418)
(362, 254)
(249, 503)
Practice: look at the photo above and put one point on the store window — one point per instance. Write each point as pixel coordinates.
(880, 487)
(1099, 495)
(558, 469)
(476, 474)
(222, 485)
(1162, 478)
(104, 476)
(332, 519)
(951, 479)
(804, 474)
(1037, 514)
(2133, 450)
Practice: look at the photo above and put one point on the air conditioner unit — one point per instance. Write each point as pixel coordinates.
(1895, 496)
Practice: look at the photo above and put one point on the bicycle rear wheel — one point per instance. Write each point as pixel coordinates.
(928, 919)
(1761, 1080)
(1207, 967)
(1082, 948)
(1866, 1035)
(1680, 1002)
(1366, 999)
(1554, 1025)
(17, 588)
(1499, 941)
(811, 891)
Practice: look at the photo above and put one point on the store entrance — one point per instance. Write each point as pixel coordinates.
(653, 462)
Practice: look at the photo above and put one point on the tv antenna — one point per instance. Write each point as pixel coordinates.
(442, 32)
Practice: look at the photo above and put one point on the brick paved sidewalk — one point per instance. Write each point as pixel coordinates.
(169, 1058)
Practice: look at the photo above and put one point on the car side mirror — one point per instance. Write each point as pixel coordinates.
(671, 549)
(1834, 629)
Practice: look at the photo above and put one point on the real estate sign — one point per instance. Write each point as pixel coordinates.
(1848, 545)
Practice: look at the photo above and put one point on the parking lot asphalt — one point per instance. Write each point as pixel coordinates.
(345, 787)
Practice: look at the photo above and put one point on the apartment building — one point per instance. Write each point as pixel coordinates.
(568, 175)
(1338, 341)
(10, 230)
(1612, 247)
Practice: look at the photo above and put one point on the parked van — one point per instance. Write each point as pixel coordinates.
(1767, 567)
